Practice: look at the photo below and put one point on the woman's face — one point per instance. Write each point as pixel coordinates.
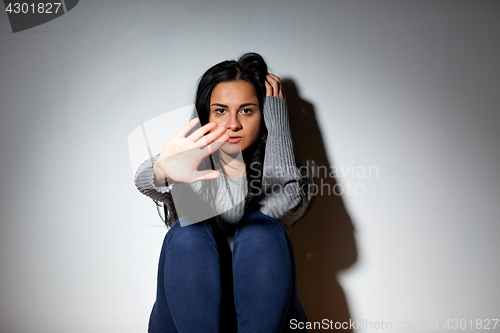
(235, 106)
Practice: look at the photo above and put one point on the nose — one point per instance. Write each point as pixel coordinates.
(233, 123)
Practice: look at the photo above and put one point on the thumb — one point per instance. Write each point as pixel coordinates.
(206, 174)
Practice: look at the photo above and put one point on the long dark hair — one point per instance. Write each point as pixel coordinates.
(250, 67)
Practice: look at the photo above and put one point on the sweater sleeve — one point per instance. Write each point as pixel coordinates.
(146, 183)
(285, 181)
(228, 200)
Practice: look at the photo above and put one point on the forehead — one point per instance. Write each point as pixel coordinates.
(234, 91)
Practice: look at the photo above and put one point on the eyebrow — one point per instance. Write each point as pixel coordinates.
(225, 106)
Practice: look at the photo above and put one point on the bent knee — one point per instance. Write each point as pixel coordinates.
(260, 230)
(190, 236)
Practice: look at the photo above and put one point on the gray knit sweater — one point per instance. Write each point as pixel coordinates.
(285, 181)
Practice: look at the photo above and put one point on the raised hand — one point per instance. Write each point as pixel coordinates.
(274, 86)
(181, 156)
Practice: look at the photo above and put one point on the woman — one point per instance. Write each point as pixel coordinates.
(235, 270)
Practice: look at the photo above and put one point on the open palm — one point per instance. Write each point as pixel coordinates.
(181, 156)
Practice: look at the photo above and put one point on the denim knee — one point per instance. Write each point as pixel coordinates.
(190, 236)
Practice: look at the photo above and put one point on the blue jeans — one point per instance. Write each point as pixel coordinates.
(203, 287)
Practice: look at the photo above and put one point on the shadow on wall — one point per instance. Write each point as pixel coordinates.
(323, 240)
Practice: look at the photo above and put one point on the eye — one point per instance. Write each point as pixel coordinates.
(220, 111)
(246, 111)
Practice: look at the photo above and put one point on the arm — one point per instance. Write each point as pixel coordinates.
(228, 201)
(281, 173)
(147, 184)
(146, 181)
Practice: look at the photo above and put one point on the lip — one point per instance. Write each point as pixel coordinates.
(234, 139)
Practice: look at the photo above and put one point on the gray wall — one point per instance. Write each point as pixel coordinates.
(411, 88)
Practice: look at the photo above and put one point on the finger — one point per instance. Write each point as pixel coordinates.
(269, 89)
(204, 175)
(189, 126)
(281, 91)
(275, 77)
(275, 84)
(214, 146)
(200, 132)
(270, 79)
(209, 138)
